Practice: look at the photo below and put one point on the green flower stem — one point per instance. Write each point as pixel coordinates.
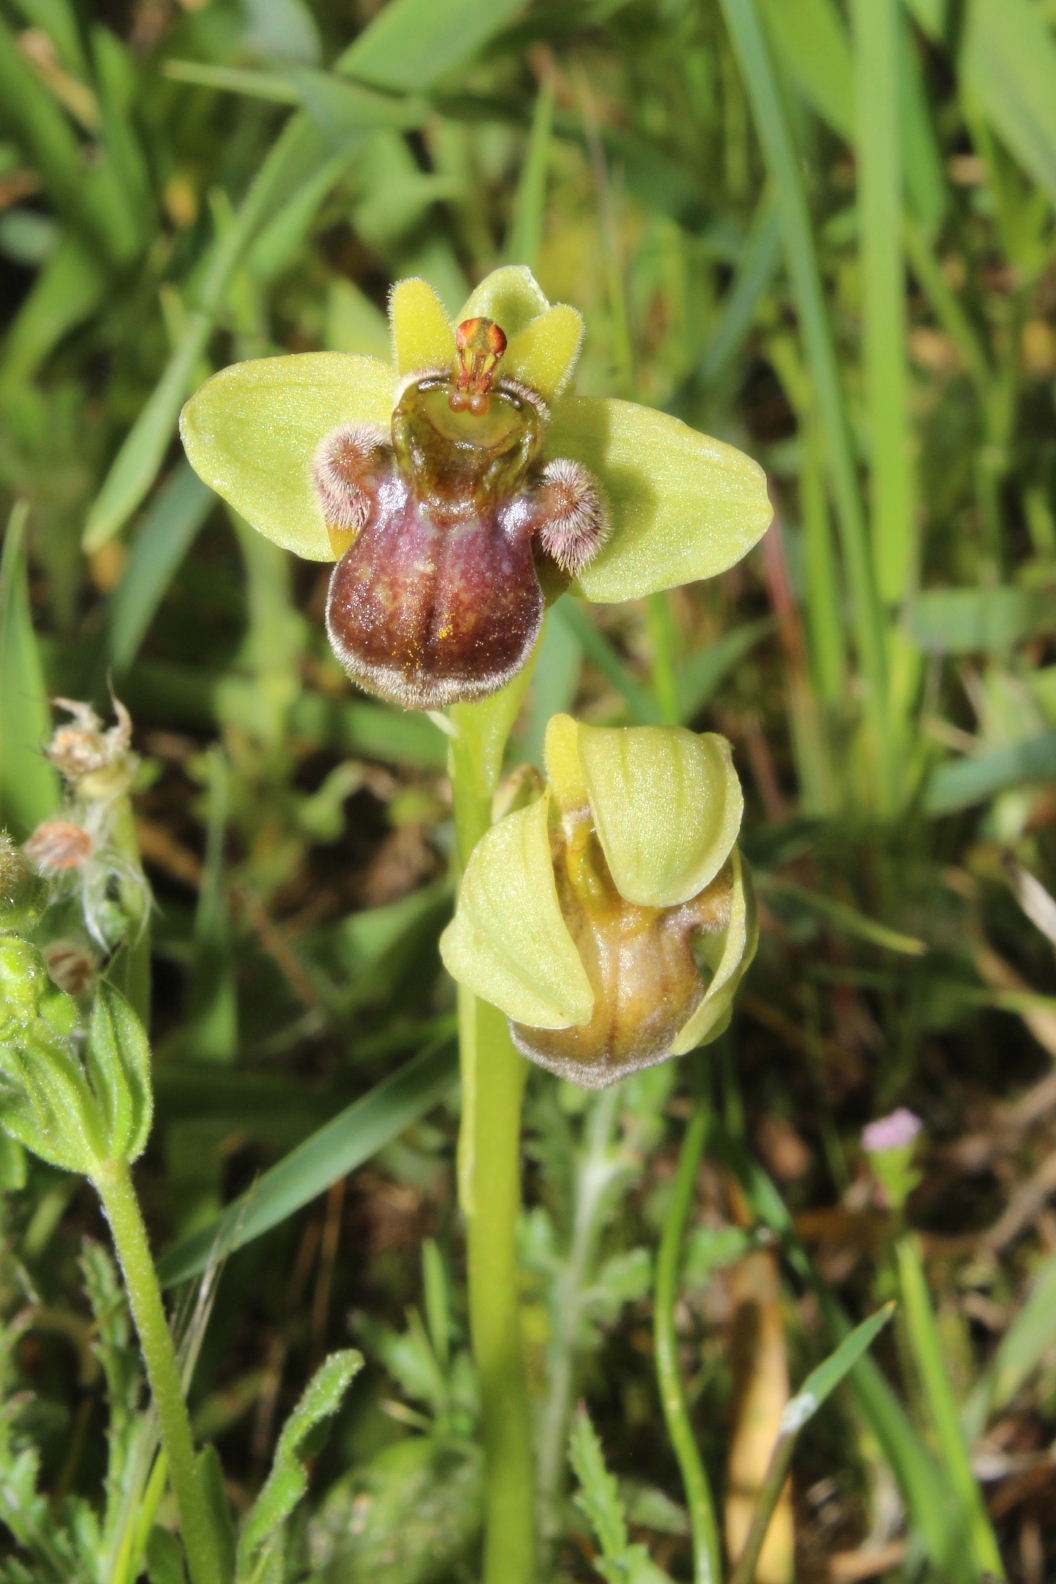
(928, 1356)
(489, 1176)
(113, 1182)
(707, 1551)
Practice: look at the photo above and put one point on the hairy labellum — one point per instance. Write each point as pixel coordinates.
(448, 524)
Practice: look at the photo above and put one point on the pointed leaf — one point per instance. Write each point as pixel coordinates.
(543, 354)
(508, 940)
(251, 431)
(682, 505)
(511, 296)
(422, 336)
(288, 1480)
(119, 1065)
(667, 806)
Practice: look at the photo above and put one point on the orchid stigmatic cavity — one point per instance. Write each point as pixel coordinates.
(451, 517)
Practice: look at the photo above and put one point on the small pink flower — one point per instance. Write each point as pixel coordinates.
(895, 1132)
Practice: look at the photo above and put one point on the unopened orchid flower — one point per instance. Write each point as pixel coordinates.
(611, 919)
(459, 489)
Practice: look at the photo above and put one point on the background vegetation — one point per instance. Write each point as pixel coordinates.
(825, 234)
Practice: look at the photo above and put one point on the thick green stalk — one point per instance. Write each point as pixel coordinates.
(489, 1177)
(114, 1184)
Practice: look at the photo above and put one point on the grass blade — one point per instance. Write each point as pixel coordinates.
(786, 173)
(29, 787)
(353, 1136)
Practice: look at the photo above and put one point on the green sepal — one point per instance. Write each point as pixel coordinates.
(251, 431)
(511, 296)
(682, 506)
(118, 1061)
(667, 807)
(728, 954)
(508, 941)
(288, 1480)
(46, 1104)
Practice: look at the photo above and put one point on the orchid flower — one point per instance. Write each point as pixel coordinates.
(460, 489)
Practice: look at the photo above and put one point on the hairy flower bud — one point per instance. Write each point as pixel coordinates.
(611, 920)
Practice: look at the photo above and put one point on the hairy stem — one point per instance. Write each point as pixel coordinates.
(114, 1184)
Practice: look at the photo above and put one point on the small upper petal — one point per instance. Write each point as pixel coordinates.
(422, 337)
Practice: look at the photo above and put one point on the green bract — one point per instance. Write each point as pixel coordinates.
(76, 1113)
(680, 506)
(611, 920)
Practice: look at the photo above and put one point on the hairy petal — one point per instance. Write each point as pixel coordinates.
(543, 354)
(252, 430)
(682, 505)
(422, 336)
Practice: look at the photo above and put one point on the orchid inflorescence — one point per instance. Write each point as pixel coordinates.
(459, 492)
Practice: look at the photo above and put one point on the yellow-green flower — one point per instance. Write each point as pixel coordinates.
(611, 919)
(459, 488)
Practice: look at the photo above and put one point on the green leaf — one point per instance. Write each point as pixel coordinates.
(45, 1104)
(1008, 62)
(682, 506)
(29, 786)
(981, 776)
(288, 1480)
(508, 941)
(119, 1064)
(667, 806)
(165, 1558)
(345, 1142)
(217, 1508)
(166, 534)
(978, 620)
(599, 1497)
(413, 43)
(823, 1381)
(251, 432)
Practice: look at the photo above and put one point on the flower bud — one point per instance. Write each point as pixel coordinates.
(97, 763)
(611, 919)
(22, 893)
(28, 995)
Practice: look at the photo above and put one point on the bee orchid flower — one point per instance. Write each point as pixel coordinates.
(459, 488)
(611, 919)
